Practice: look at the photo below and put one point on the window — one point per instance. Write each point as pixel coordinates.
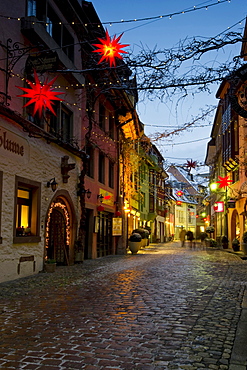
(111, 174)
(60, 125)
(53, 25)
(180, 216)
(24, 204)
(52, 120)
(102, 114)
(111, 126)
(31, 8)
(101, 166)
(143, 201)
(66, 124)
(151, 203)
(67, 43)
(27, 211)
(90, 164)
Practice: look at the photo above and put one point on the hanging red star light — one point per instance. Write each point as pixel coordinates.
(179, 193)
(40, 95)
(191, 164)
(110, 49)
(224, 182)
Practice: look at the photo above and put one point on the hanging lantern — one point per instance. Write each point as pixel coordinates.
(100, 208)
(118, 214)
(110, 49)
(40, 95)
(179, 193)
(179, 202)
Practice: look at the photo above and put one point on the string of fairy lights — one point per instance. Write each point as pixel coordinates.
(106, 139)
(161, 16)
(101, 136)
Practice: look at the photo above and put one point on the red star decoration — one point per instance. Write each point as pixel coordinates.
(179, 193)
(40, 95)
(223, 181)
(110, 49)
(191, 164)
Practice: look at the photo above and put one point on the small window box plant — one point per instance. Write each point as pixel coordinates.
(244, 242)
(135, 237)
(212, 243)
(50, 265)
(210, 230)
(144, 235)
(235, 245)
(224, 242)
(244, 237)
(203, 236)
(143, 232)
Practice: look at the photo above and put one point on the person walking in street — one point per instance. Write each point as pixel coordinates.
(182, 236)
(190, 237)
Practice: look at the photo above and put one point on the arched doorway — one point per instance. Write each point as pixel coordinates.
(235, 225)
(58, 232)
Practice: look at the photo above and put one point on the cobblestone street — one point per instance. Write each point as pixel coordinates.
(165, 308)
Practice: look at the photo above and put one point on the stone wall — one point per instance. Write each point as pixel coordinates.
(40, 162)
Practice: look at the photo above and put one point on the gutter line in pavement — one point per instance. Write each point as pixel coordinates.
(238, 359)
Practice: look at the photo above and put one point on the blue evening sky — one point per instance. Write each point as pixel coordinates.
(166, 33)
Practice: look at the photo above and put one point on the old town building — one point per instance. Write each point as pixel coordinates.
(70, 140)
(226, 157)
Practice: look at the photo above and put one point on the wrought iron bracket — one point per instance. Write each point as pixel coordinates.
(15, 51)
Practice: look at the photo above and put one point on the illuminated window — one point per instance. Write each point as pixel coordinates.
(23, 213)
(27, 210)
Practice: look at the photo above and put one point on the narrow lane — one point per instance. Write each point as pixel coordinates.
(165, 308)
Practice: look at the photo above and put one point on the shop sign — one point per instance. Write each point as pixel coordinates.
(107, 197)
(42, 62)
(117, 226)
(231, 204)
(219, 207)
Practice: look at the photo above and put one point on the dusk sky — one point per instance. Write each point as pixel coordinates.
(165, 33)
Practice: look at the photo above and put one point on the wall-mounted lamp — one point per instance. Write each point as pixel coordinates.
(87, 192)
(53, 184)
(213, 186)
(84, 191)
(100, 197)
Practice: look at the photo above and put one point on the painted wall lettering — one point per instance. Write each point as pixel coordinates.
(10, 145)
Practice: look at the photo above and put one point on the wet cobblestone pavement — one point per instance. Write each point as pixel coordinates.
(165, 308)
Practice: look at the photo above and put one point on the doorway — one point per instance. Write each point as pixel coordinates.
(58, 233)
(104, 236)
